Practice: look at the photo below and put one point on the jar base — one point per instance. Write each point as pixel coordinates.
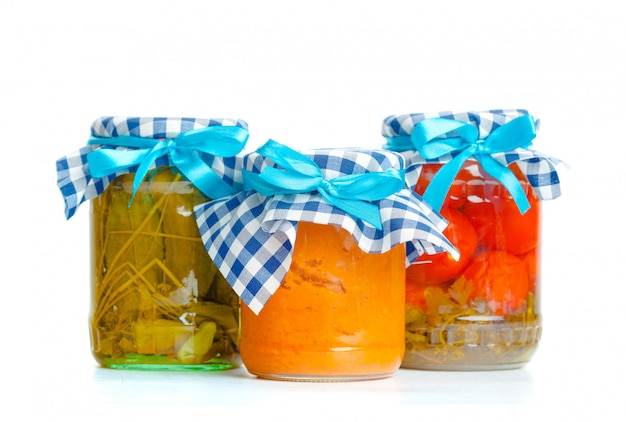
(460, 367)
(474, 347)
(320, 378)
(163, 363)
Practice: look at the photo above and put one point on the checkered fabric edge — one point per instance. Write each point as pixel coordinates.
(78, 186)
(540, 169)
(250, 237)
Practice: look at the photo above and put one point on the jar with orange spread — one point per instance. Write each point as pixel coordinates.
(317, 247)
(481, 311)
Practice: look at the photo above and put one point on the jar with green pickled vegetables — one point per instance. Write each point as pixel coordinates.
(157, 299)
(481, 311)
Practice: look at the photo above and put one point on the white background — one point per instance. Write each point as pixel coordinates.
(311, 74)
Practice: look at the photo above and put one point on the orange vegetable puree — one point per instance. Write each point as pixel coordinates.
(339, 312)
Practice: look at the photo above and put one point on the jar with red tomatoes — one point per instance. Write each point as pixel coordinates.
(482, 310)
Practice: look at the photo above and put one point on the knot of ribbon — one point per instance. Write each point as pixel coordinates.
(222, 141)
(427, 139)
(351, 193)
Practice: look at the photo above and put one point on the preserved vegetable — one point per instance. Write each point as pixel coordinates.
(158, 300)
(477, 168)
(479, 312)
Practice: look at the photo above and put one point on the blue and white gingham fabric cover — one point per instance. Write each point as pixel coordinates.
(76, 183)
(250, 237)
(540, 169)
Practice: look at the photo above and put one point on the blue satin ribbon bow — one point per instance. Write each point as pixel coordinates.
(222, 141)
(518, 133)
(299, 174)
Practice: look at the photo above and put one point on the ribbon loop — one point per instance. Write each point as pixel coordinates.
(183, 152)
(427, 137)
(351, 193)
(436, 137)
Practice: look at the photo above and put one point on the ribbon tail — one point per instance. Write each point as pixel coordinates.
(518, 133)
(289, 158)
(438, 188)
(149, 159)
(399, 144)
(508, 179)
(360, 209)
(105, 162)
(200, 174)
(368, 186)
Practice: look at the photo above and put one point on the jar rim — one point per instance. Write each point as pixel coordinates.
(156, 127)
(336, 162)
(485, 121)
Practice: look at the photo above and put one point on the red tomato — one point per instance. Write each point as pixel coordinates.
(441, 267)
(497, 220)
(500, 279)
(483, 217)
(520, 232)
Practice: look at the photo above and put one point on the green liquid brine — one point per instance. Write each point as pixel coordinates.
(158, 302)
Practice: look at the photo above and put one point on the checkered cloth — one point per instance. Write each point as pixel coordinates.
(77, 184)
(540, 169)
(250, 237)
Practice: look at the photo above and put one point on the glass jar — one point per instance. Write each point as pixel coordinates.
(482, 311)
(158, 301)
(316, 247)
(339, 313)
